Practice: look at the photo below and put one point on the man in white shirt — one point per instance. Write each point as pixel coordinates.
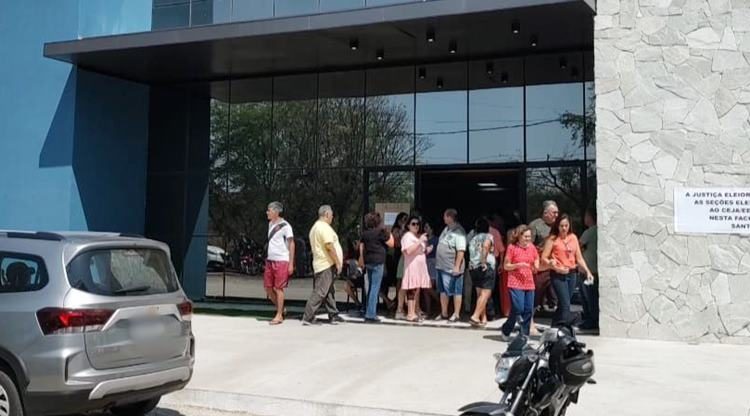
(279, 260)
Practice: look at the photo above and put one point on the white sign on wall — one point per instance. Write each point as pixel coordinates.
(712, 210)
(390, 218)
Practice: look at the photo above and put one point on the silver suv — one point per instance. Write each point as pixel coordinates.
(90, 321)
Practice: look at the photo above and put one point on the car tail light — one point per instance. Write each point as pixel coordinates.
(72, 321)
(186, 310)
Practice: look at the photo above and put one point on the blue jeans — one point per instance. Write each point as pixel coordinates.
(564, 285)
(522, 304)
(450, 284)
(375, 277)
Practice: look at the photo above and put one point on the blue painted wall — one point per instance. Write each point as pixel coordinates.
(35, 93)
(110, 154)
(73, 145)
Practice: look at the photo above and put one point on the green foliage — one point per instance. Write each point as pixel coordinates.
(304, 154)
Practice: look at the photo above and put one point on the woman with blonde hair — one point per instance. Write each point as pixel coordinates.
(521, 261)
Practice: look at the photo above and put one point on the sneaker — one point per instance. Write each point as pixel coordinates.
(440, 317)
(504, 338)
(373, 321)
(335, 320)
(453, 318)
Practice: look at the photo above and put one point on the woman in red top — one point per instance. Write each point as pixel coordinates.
(562, 254)
(521, 262)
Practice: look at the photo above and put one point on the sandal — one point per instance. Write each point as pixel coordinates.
(275, 322)
(475, 323)
(453, 318)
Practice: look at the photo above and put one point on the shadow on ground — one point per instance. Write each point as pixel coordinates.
(157, 412)
(165, 412)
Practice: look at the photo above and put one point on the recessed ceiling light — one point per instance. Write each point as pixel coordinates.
(504, 77)
(453, 48)
(380, 55)
(486, 184)
(354, 44)
(422, 73)
(440, 83)
(430, 35)
(534, 41)
(515, 27)
(563, 63)
(490, 68)
(574, 72)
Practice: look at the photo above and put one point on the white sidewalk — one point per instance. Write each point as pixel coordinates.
(357, 369)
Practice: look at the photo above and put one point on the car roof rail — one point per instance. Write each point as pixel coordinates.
(131, 235)
(39, 235)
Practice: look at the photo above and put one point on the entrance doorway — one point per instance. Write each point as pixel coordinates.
(472, 193)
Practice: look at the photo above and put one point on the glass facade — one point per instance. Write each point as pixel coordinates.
(376, 138)
(184, 13)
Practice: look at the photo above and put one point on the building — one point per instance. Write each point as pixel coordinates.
(181, 119)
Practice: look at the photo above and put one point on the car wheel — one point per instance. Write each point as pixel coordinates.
(10, 403)
(136, 409)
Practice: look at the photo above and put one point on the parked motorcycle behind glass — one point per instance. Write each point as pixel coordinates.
(541, 381)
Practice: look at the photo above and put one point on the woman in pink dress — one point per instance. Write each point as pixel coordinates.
(416, 277)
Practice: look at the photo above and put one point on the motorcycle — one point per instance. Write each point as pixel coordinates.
(541, 381)
(251, 264)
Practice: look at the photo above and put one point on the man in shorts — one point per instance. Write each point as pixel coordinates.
(449, 261)
(279, 259)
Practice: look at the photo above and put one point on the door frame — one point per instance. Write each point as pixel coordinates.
(520, 167)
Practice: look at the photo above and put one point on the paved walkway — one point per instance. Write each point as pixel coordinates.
(354, 369)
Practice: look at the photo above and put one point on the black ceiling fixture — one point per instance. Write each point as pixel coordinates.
(453, 47)
(439, 83)
(490, 68)
(354, 44)
(563, 63)
(515, 27)
(422, 73)
(574, 72)
(534, 41)
(504, 77)
(430, 35)
(380, 54)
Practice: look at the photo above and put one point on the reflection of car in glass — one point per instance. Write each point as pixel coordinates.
(90, 321)
(215, 258)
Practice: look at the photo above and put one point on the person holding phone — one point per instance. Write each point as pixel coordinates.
(416, 277)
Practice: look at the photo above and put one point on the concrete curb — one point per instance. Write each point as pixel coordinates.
(274, 406)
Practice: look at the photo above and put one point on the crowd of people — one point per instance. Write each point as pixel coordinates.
(529, 268)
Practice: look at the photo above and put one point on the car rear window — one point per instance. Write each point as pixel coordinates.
(21, 273)
(123, 272)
